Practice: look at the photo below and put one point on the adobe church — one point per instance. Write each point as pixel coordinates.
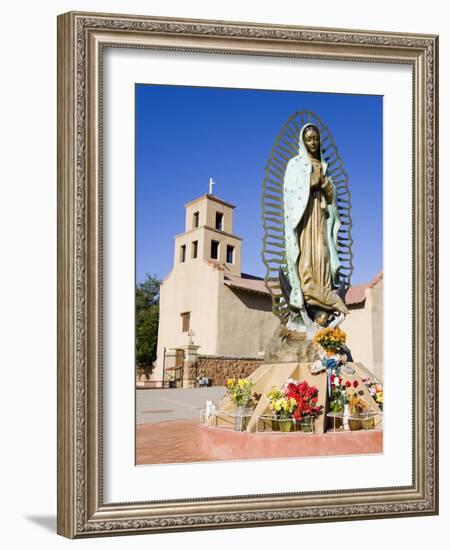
(207, 303)
(229, 312)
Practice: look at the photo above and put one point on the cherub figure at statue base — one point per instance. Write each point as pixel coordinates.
(326, 319)
(293, 341)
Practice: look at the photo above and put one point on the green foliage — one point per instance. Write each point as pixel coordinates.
(147, 319)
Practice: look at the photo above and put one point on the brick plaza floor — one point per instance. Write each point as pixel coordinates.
(166, 422)
(168, 442)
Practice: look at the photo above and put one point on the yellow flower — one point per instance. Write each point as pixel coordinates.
(273, 394)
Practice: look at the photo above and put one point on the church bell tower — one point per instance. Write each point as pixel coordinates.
(208, 235)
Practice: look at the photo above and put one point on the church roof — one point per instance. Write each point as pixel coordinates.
(357, 294)
(211, 197)
(246, 282)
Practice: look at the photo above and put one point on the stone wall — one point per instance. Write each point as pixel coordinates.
(221, 367)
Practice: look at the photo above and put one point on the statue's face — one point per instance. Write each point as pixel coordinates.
(311, 140)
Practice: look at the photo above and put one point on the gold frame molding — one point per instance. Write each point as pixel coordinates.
(81, 39)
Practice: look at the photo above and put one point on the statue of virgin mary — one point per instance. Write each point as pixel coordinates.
(311, 223)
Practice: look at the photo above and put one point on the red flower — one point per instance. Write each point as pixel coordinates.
(348, 384)
(355, 384)
(305, 396)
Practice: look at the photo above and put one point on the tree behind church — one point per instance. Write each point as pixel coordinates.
(147, 319)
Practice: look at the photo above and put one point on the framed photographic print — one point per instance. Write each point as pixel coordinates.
(247, 274)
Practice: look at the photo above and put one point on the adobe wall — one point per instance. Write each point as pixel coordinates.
(191, 287)
(245, 322)
(364, 328)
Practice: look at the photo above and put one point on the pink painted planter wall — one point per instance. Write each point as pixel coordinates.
(227, 444)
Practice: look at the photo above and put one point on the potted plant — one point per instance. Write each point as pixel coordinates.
(240, 393)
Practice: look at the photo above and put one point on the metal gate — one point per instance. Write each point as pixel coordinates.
(173, 368)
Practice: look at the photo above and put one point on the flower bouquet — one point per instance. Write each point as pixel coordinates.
(283, 408)
(376, 390)
(358, 407)
(240, 392)
(330, 340)
(306, 398)
(338, 400)
(273, 395)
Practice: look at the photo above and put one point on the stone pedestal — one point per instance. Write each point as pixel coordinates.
(276, 374)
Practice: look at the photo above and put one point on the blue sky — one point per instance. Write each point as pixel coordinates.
(185, 135)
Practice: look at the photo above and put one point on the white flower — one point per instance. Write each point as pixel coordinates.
(289, 381)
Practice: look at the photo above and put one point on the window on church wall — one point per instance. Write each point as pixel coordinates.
(214, 250)
(195, 249)
(185, 321)
(230, 254)
(219, 221)
(195, 219)
(183, 253)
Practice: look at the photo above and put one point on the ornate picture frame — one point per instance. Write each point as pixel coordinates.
(82, 510)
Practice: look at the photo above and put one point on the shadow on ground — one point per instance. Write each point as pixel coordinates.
(46, 522)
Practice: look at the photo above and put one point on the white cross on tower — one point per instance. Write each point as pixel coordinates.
(211, 183)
